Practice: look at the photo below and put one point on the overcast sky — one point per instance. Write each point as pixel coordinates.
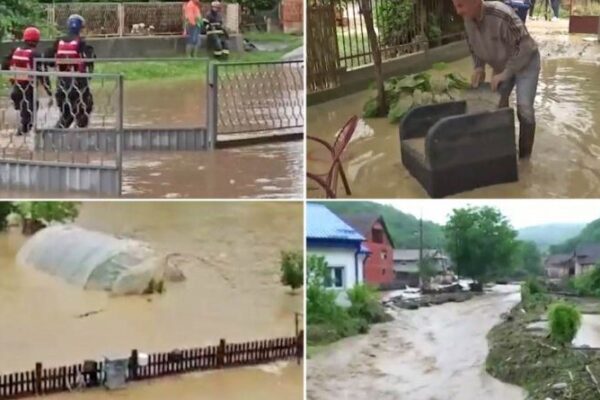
(521, 213)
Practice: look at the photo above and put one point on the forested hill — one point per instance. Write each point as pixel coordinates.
(589, 234)
(403, 227)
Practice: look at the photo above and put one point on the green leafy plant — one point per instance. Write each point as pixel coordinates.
(6, 208)
(393, 18)
(365, 304)
(588, 283)
(47, 211)
(292, 269)
(417, 90)
(565, 321)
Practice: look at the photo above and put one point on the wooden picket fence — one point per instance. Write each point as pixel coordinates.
(41, 381)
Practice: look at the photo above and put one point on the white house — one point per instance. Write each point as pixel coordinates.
(328, 236)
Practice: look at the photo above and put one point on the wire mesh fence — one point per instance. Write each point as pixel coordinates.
(134, 19)
(64, 101)
(256, 99)
(72, 160)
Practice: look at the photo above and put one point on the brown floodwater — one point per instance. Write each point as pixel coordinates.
(566, 155)
(261, 171)
(432, 353)
(230, 256)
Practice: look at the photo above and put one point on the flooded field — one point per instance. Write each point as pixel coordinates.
(566, 155)
(230, 257)
(260, 171)
(432, 353)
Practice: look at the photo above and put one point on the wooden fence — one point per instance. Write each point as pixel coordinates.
(89, 374)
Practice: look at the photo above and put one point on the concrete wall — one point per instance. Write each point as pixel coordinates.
(133, 47)
(358, 79)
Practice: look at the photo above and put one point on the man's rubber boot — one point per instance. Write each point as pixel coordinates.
(526, 138)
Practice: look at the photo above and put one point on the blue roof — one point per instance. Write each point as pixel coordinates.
(321, 223)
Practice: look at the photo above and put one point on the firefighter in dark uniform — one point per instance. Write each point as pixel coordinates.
(215, 31)
(21, 61)
(73, 95)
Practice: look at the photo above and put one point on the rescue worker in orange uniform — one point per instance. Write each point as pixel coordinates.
(73, 95)
(217, 36)
(21, 60)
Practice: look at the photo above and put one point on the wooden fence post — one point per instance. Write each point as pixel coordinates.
(221, 354)
(300, 346)
(38, 378)
(133, 365)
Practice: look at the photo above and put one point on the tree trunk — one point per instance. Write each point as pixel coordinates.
(367, 12)
(32, 226)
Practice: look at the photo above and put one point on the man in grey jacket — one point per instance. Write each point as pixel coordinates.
(497, 37)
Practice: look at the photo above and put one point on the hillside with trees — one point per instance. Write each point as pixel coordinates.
(549, 234)
(589, 234)
(403, 227)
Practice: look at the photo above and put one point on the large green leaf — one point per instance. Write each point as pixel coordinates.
(400, 108)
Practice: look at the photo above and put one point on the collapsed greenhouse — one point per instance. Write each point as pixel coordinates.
(93, 260)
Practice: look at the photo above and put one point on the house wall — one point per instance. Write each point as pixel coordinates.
(557, 272)
(292, 12)
(378, 270)
(341, 257)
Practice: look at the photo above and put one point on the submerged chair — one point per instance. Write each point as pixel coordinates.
(329, 180)
(449, 151)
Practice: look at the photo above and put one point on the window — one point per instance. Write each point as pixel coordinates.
(336, 279)
(377, 235)
(383, 271)
(383, 255)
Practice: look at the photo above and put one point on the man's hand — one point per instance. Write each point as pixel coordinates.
(497, 80)
(478, 77)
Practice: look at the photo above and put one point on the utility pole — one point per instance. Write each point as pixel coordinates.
(421, 249)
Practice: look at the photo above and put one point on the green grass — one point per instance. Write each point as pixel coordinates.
(292, 40)
(314, 350)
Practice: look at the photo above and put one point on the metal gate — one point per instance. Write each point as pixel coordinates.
(73, 160)
(255, 102)
(148, 136)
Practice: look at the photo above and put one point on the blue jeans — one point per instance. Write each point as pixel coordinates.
(555, 7)
(193, 35)
(526, 81)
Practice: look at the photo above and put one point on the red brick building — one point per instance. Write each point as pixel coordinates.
(292, 16)
(379, 265)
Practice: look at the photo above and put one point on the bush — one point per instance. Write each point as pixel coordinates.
(292, 269)
(565, 321)
(47, 211)
(5, 209)
(532, 289)
(365, 305)
(588, 283)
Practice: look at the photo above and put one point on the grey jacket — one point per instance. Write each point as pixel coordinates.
(500, 39)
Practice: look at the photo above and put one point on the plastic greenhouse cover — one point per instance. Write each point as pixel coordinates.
(91, 259)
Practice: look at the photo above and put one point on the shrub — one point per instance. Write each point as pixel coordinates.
(292, 269)
(365, 305)
(532, 289)
(48, 211)
(5, 209)
(565, 321)
(588, 283)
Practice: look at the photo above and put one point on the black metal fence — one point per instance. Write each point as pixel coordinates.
(258, 99)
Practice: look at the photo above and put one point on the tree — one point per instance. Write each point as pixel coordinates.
(530, 259)
(481, 242)
(427, 270)
(292, 269)
(15, 15)
(381, 101)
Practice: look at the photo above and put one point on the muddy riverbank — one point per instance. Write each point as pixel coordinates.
(565, 161)
(430, 353)
(227, 251)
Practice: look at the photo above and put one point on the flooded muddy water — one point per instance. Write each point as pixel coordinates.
(230, 257)
(433, 353)
(283, 381)
(589, 332)
(566, 155)
(263, 171)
